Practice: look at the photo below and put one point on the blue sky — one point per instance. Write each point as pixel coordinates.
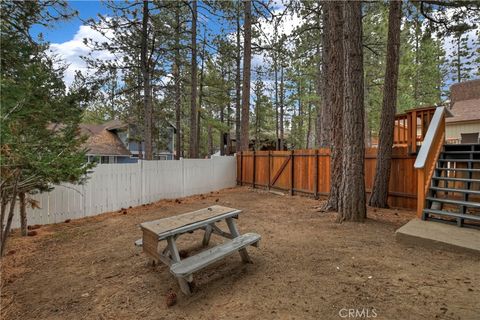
(64, 31)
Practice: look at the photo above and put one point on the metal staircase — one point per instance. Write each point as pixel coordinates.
(454, 193)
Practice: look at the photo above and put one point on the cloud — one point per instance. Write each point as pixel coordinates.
(71, 52)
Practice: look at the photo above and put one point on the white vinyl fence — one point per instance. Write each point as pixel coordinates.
(114, 186)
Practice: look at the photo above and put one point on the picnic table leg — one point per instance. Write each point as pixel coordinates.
(234, 231)
(206, 237)
(172, 246)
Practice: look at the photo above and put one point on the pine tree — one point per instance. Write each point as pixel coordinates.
(351, 204)
(334, 65)
(247, 62)
(39, 124)
(379, 195)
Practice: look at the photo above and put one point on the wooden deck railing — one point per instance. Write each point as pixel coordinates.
(411, 128)
(428, 155)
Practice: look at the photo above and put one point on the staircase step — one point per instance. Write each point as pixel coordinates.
(461, 145)
(455, 179)
(458, 169)
(459, 160)
(469, 204)
(452, 214)
(455, 190)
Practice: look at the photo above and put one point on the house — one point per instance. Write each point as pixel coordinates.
(120, 142)
(464, 126)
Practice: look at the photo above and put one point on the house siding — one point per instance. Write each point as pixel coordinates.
(454, 130)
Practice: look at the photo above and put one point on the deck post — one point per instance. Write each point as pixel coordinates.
(241, 168)
(254, 167)
(292, 170)
(315, 175)
(269, 161)
(413, 133)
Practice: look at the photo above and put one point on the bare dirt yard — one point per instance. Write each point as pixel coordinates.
(307, 267)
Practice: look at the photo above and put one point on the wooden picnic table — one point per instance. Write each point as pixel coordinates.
(169, 229)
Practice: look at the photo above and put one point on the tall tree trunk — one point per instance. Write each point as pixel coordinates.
(238, 80)
(282, 98)
(352, 206)
(324, 116)
(193, 98)
(334, 65)
(300, 116)
(176, 76)
(257, 122)
(210, 140)
(8, 224)
(228, 139)
(320, 140)
(3, 210)
(368, 138)
(379, 197)
(459, 61)
(23, 213)
(200, 93)
(308, 144)
(147, 90)
(309, 121)
(222, 134)
(247, 60)
(275, 71)
(417, 59)
(277, 122)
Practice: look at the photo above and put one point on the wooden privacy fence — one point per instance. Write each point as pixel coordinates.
(308, 172)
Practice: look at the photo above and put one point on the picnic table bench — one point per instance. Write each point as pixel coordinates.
(169, 229)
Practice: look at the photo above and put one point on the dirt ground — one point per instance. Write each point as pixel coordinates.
(307, 267)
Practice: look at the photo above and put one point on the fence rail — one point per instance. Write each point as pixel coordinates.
(308, 172)
(114, 186)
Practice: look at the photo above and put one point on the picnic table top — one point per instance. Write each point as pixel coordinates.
(188, 221)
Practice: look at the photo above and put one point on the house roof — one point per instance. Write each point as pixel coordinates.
(115, 125)
(466, 90)
(465, 110)
(101, 141)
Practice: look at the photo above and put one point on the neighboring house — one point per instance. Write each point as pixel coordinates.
(120, 142)
(464, 126)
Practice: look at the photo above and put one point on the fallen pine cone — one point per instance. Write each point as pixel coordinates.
(32, 233)
(216, 200)
(35, 226)
(68, 220)
(171, 298)
(11, 252)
